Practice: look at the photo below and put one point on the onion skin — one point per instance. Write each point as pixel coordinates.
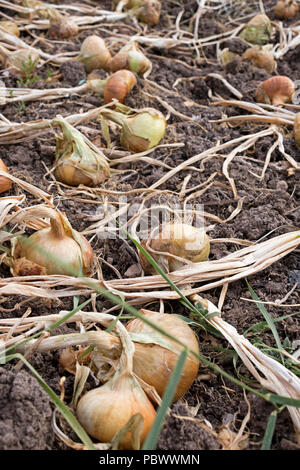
(147, 11)
(76, 162)
(276, 90)
(63, 28)
(261, 57)
(226, 56)
(105, 410)
(60, 241)
(69, 173)
(119, 85)
(15, 61)
(141, 130)
(11, 27)
(146, 131)
(181, 240)
(258, 30)
(94, 54)
(153, 363)
(286, 9)
(5, 183)
(130, 57)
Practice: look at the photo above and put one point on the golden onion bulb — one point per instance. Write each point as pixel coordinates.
(105, 410)
(178, 240)
(94, 54)
(276, 90)
(154, 363)
(141, 130)
(77, 161)
(286, 9)
(132, 58)
(5, 183)
(57, 249)
(262, 57)
(62, 27)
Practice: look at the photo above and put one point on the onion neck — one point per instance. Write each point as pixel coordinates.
(97, 85)
(114, 116)
(57, 227)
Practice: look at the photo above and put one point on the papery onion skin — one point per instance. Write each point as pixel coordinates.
(132, 58)
(181, 240)
(105, 410)
(286, 9)
(261, 57)
(119, 85)
(276, 90)
(11, 27)
(226, 56)
(258, 30)
(63, 28)
(153, 363)
(76, 162)
(146, 131)
(56, 243)
(5, 183)
(67, 172)
(149, 12)
(94, 54)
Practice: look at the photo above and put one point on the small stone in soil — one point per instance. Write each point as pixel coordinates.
(294, 276)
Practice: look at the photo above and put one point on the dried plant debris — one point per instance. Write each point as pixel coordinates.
(117, 120)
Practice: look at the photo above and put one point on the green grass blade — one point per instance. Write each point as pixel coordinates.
(263, 326)
(153, 436)
(281, 400)
(67, 414)
(268, 319)
(269, 432)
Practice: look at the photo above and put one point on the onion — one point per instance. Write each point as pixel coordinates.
(258, 30)
(154, 363)
(11, 27)
(175, 244)
(62, 27)
(117, 86)
(262, 57)
(5, 183)
(286, 9)
(41, 252)
(38, 7)
(226, 56)
(141, 130)
(147, 11)
(276, 90)
(94, 54)
(132, 58)
(21, 61)
(104, 411)
(77, 160)
(155, 355)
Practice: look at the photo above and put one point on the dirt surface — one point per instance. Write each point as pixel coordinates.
(270, 207)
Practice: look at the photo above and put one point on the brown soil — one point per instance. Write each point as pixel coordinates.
(271, 205)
